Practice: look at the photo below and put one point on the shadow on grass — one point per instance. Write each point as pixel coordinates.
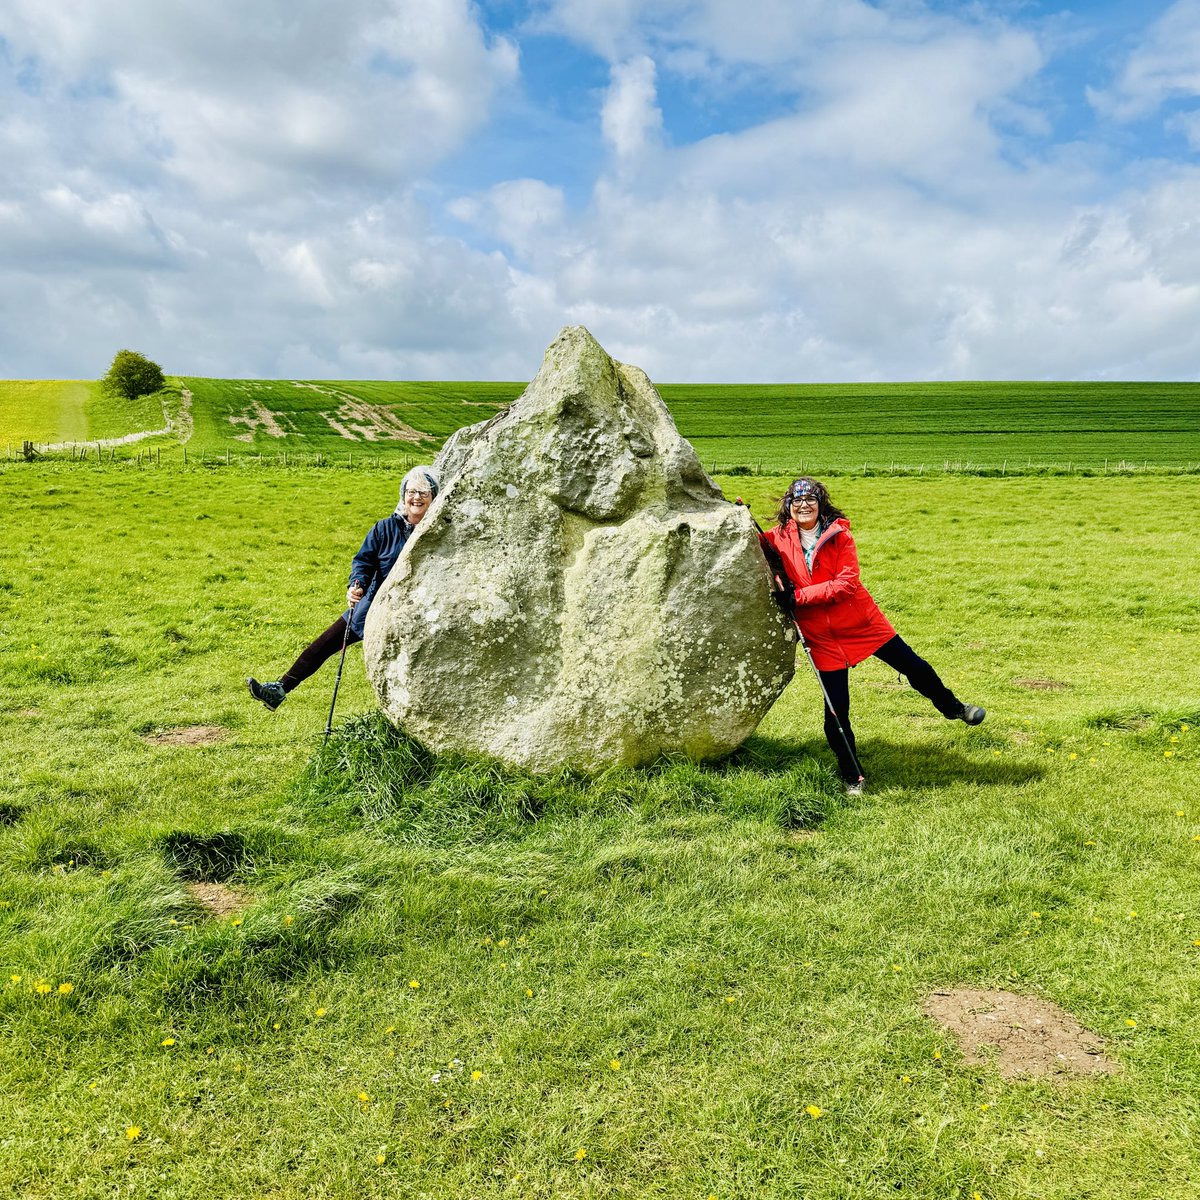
(909, 764)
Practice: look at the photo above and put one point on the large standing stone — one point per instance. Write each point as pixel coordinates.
(579, 593)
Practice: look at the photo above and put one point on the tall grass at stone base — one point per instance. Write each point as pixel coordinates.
(372, 772)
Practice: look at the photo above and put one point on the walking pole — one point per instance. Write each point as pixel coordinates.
(337, 682)
(782, 590)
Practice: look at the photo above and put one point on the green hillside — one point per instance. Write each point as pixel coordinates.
(762, 428)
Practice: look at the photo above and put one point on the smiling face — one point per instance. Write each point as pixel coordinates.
(416, 503)
(805, 509)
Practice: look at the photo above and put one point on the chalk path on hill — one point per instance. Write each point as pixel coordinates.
(185, 427)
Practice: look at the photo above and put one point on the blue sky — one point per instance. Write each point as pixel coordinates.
(759, 190)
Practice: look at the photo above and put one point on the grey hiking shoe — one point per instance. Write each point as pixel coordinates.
(856, 788)
(271, 694)
(972, 714)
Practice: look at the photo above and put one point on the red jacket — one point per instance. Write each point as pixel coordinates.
(840, 622)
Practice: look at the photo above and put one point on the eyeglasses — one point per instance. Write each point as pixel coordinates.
(804, 502)
(411, 493)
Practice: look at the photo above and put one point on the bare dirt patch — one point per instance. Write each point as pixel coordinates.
(1023, 1035)
(1041, 685)
(257, 417)
(356, 420)
(218, 899)
(188, 735)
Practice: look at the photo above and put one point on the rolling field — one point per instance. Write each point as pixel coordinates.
(962, 427)
(44, 410)
(71, 410)
(444, 979)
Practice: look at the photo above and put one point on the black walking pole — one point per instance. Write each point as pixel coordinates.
(337, 682)
(785, 598)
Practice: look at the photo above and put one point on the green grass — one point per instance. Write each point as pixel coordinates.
(739, 939)
(987, 428)
(72, 410)
(44, 410)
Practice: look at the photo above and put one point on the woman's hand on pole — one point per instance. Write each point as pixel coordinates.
(354, 593)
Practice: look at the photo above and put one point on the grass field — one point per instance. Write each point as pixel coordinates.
(71, 410)
(44, 410)
(441, 979)
(962, 427)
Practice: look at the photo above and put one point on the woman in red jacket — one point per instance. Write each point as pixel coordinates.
(839, 621)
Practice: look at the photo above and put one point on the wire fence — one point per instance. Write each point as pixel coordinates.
(96, 454)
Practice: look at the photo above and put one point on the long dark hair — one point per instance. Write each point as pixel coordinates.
(826, 511)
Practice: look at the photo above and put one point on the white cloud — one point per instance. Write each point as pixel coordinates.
(630, 118)
(1166, 64)
(240, 101)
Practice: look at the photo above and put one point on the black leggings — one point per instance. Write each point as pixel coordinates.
(900, 656)
(322, 648)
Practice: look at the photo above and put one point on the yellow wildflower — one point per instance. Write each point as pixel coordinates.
(614, 1064)
(168, 1041)
(321, 1012)
(288, 920)
(42, 988)
(529, 991)
(236, 922)
(133, 1132)
(414, 983)
(364, 1099)
(1131, 1022)
(580, 1154)
(476, 1075)
(813, 1111)
(14, 979)
(380, 1159)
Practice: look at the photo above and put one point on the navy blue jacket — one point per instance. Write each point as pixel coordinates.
(380, 549)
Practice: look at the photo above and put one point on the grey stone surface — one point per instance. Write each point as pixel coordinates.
(579, 593)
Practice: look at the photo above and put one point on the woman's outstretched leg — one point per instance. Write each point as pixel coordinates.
(322, 648)
(900, 656)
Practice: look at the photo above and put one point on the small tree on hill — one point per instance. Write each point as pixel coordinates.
(132, 375)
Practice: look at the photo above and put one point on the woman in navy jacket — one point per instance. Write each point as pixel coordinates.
(380, 549)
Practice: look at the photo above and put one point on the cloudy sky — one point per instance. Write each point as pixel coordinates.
(721, 190)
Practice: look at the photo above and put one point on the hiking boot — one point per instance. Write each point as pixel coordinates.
(856, 788)
(971, 714)
(271, 694)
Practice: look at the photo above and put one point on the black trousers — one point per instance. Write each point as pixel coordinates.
(317, 652)
(900, 656)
